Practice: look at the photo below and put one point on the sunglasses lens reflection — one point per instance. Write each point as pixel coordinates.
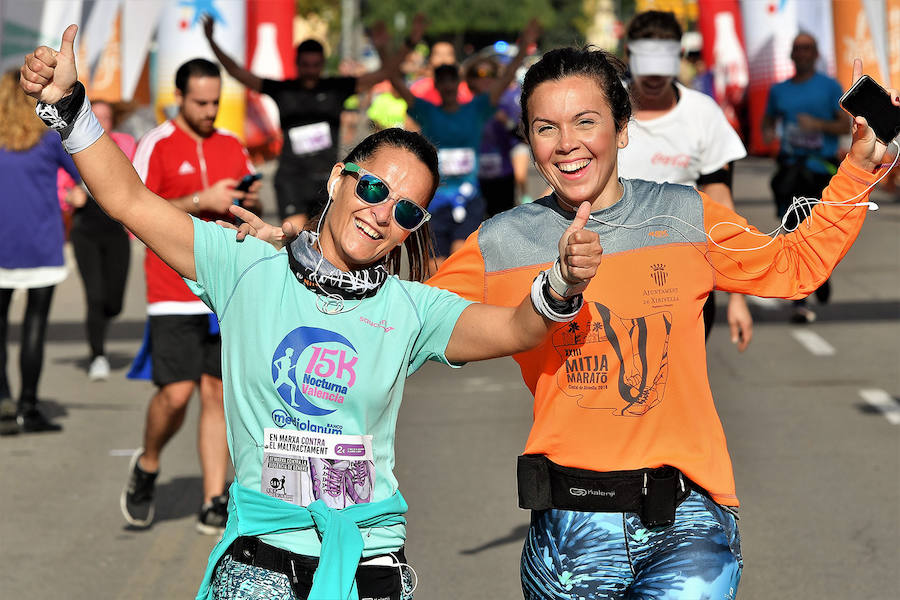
(408, 214)
(372, 190)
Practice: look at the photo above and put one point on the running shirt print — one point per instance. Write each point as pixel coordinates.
(311, 399)
(624, 385)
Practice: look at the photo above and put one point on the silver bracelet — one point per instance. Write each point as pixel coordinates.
(77, 126)
(560, 285)
(561, 311)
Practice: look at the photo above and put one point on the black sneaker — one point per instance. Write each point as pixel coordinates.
(9, 425)
(32, 420)
(213, 516)
(136, 500)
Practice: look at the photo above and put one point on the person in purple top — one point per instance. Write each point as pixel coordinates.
(496, 177)
(31, 253)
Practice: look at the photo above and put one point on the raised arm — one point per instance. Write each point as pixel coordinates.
(484, 331)
(50, 76)
(527, 37)
(235, 70)
(390, 63)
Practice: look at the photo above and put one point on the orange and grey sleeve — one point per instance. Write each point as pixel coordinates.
(463, 273)
(794, 264)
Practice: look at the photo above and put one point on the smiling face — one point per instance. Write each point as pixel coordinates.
(355, 234)
(574, 141)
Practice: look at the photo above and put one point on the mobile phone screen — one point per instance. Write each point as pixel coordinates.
(868, 99)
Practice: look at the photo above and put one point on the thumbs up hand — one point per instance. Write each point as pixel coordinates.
(49, 75)
(580, 251)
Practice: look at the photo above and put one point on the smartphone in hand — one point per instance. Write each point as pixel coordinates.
(245, 183)
(867, 99)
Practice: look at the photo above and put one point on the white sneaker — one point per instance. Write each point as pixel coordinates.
(99, 369)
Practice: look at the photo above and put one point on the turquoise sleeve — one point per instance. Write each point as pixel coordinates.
(219, 261)
(438, 312)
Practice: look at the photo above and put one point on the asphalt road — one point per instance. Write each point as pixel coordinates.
(811, 414)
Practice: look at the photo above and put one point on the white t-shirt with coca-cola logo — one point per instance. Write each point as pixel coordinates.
(691, 140)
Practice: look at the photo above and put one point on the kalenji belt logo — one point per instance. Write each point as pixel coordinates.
(314, 369)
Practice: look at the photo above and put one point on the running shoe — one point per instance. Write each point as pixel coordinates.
(136, 500)
(802, 315)
(328, 481)
(99, 369)
(32, 420)
(213, 516)
(9, 425)
(359, 482)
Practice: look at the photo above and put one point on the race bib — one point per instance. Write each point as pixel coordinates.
(802, 139)
(491, 165)
(456, 161)
(300, 467)
(307, 139)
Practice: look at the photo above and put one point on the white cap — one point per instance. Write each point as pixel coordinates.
(654, 57)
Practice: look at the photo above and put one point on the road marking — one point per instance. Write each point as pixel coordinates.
(883, 402)
(813, 342)
(123, 452)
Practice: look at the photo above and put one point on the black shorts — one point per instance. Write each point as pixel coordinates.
(300, 194)
(183, 349)
(446, 229)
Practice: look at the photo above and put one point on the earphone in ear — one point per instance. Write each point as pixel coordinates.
(331, 188)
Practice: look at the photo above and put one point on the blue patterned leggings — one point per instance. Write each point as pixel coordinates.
(572, 555)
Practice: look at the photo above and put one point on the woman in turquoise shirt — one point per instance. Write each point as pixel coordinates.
(317, 341)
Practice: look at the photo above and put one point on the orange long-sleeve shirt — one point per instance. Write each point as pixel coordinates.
(624, 386)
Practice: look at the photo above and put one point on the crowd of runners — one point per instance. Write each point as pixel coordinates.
(425, 223)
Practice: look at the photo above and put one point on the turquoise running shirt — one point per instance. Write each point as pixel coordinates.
(311, 399)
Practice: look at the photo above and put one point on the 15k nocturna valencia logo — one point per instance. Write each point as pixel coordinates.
(313, 370)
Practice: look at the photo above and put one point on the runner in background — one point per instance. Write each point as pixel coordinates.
(456, 130)
(196, 168)
(442, 53)
(679, 135)
(102, 251)
(496, 176)
(310, 108)
(803, 113)
(31, 247)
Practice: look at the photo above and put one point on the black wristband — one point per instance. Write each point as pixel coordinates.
(570, 305)
(63, 113)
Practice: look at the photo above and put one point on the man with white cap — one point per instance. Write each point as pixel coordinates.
(679, 135)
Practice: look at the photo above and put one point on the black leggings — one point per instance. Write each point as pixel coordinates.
(103, 259)
(34, 330)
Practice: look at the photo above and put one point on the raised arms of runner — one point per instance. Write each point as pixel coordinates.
(390, 62)
(528, 37)
(247, 78)
(49, 75)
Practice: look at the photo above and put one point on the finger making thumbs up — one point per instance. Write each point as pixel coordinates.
(580, 254)
(49, 75)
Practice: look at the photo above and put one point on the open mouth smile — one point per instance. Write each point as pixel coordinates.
(574, 167)
(367, 230)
